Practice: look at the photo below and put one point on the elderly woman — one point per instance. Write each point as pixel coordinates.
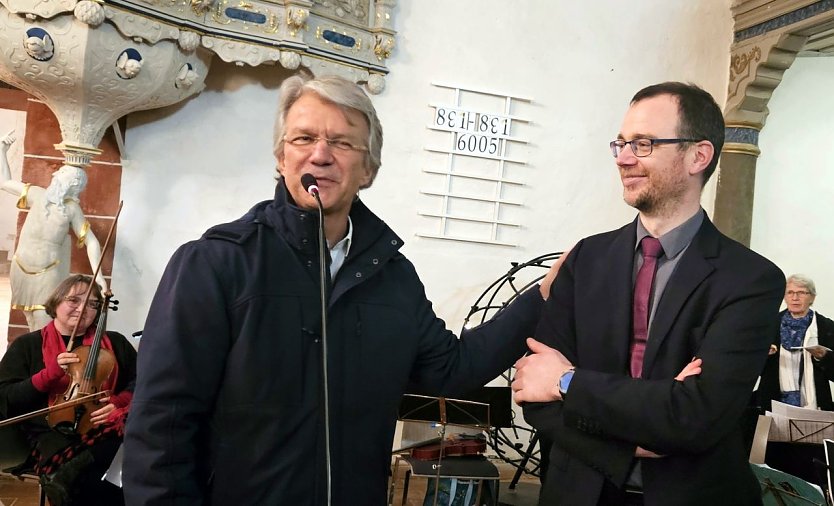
(801, 362)
(33, 376)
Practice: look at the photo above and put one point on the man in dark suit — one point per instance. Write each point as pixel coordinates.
(648, 349)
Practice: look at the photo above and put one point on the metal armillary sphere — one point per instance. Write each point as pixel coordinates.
(516, 445)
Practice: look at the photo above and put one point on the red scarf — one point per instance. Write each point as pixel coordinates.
(52, 344)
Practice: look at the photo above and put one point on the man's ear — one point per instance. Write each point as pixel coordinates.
(703, 154)
(366, 177)
(280, 158)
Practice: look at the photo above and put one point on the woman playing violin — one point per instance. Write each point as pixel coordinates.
(33, 375)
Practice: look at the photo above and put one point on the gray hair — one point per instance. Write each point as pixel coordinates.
(803, 281)
(340, 92)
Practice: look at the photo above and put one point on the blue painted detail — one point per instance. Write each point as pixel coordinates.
(742, 135)
(338, 38)
(36, 32)
(786, 19)
(122, 63)
(249, 17)
(133, 54)
(44, 48)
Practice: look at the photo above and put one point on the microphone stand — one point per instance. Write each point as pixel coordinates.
(323, 277)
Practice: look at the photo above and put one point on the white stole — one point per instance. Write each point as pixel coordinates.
(789, 368)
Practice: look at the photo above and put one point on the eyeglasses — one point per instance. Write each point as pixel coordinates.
(308, 141)
(801, 293)
(74, 301)
(643, 147)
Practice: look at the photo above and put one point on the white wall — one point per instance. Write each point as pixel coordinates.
(208, 160)
(793, 202)
(189, 167)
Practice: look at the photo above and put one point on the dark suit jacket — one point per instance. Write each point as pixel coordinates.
(769, 388)
(720, 305)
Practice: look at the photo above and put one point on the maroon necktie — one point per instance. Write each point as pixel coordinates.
(642, 293)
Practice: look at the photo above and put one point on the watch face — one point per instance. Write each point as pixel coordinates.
(564, 381)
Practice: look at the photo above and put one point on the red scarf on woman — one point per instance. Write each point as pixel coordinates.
(53, 344)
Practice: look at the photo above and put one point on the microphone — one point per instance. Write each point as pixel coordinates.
(310, 184)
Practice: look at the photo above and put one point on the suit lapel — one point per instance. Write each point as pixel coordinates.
(693, 268)
(618, 285)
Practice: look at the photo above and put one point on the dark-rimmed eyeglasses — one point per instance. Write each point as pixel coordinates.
(641, 146)
(74, 301)
(309, 141)
(800, 293)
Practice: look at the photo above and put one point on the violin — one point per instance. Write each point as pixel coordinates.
(86, 378)
(457, 446)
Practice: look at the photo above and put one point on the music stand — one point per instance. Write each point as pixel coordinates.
(458, 412)
(445, 411)
(828, 446)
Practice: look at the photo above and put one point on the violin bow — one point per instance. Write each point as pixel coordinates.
(44, 411)
(95, 275)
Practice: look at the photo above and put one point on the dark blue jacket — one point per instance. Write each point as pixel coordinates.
(228, 403)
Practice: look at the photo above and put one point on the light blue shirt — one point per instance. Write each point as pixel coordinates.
(340, 250)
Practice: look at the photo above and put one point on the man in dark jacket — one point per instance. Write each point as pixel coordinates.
(229, 405)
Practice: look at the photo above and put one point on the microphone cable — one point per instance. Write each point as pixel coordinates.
(309, 182)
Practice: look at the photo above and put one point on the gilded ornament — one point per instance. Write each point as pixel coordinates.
(273, 24)
(296, 19)
(343, 8)
(383, 46)
(22, 202)
(89, 12)
(200, 7)
(217, 13)
(82, 235)
(34, 272)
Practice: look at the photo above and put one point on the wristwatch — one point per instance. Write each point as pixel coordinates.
(564, 381)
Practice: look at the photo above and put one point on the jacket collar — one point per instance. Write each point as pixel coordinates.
(299, 227)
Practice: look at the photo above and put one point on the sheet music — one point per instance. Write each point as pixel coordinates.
(811, 348)
(801, 425)
(797, 413)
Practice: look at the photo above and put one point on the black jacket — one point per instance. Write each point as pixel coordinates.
(769, 389)
(719, 305)
(228, 405)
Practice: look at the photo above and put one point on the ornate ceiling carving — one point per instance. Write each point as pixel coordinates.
(92, 62)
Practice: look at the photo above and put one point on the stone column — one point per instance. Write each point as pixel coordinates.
(736, 182)
(756, 69)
